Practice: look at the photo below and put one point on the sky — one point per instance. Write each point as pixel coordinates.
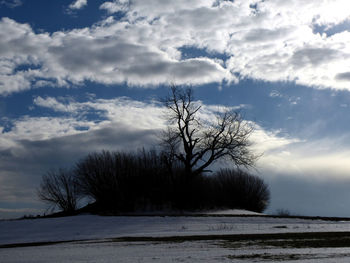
(83, 76)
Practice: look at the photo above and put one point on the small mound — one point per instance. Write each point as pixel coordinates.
(232, 212)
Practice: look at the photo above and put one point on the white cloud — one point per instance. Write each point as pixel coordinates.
(267, 142)
(54, 104)
(110, 113)
(116, 6)
(101, 54)
(263, 40)
(152, 8)
(78, 4)
(320, 159)
(275, 94)
(44, 128)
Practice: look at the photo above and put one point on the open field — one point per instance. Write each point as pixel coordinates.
(174, 239)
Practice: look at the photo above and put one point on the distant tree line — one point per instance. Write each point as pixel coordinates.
(175, 177)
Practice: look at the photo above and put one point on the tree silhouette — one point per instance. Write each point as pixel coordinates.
(59, 189)
(198, 143)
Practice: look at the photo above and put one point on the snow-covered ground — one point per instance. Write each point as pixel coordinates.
(87, 227)
(188, 252)
(93, 236)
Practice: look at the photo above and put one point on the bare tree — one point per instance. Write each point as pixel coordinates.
(59, 189)
(197, 143)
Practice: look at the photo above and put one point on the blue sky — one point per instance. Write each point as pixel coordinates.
(82, 76)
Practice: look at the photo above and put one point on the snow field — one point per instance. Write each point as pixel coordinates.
(94, 241)
(88, 227)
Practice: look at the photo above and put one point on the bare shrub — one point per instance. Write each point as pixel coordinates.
(283, 212)
(124, 181)
(238, 189)
(59, 189)
(143, 181)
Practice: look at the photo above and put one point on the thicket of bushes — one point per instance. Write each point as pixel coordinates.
(126, 182)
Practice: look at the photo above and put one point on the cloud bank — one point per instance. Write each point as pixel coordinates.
(262, 40)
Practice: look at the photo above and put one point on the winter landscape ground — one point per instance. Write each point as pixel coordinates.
(193, 238)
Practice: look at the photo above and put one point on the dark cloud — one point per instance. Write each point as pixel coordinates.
(11, 3)
(343, 76)
(263, 34)
(314, 56)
